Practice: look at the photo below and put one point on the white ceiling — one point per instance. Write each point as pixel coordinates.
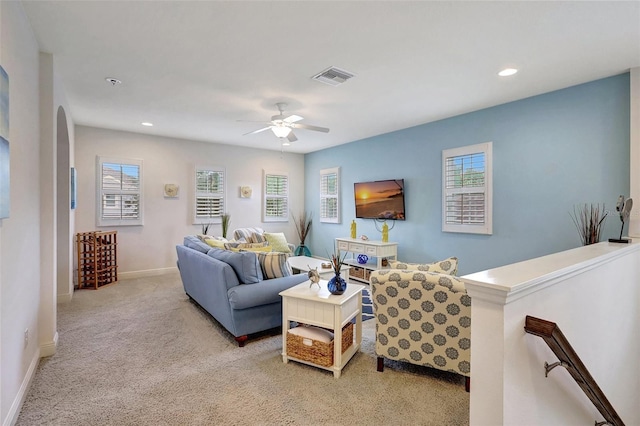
(193, 68)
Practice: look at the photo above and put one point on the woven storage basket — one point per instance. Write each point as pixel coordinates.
(318, 352)
(357, 272)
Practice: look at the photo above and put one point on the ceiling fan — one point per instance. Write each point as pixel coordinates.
(282, 125)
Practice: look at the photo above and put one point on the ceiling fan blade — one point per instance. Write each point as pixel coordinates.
(292, 118)
(257, 131)
(310, 127)
(291, 137)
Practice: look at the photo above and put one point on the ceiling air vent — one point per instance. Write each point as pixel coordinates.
(333, 76)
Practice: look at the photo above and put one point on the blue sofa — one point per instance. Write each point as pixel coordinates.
(230, 286)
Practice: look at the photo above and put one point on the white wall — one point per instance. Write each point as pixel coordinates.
(634, 136)
(150, 248)
(592, 294)
(20, 233)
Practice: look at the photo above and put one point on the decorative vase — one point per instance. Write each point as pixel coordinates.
(302, 250)
(362, 259)
(337, 285)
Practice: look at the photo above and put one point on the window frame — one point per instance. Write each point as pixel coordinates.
(266, 197)
(100, 192)
(221, 194)
(485, 228)
(325, 173)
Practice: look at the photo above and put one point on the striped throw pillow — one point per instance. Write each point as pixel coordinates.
(274, 265)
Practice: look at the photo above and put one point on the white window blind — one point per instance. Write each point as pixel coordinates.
(276, 197)
(466, 177)
(330, 195)
(119, 192)
(209, 197)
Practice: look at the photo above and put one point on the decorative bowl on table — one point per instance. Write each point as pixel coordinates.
(362, 259)
(325, 265)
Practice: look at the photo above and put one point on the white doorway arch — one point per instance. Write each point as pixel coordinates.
(64, 243)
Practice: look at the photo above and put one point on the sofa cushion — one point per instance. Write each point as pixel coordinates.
(245, 264)
(277, 241)
(274, 265)
(194, 242)
(446, 266)
(249, 296)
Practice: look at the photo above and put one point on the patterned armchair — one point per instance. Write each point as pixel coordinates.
(423, 317)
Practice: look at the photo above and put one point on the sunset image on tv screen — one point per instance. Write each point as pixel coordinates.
(380, 199)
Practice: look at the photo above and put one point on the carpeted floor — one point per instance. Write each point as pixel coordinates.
(140, 353)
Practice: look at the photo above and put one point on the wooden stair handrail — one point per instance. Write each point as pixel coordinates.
(551, 334)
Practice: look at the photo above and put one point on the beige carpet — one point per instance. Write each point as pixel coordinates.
(140, 353)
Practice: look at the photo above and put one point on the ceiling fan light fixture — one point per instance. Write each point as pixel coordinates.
(281, 131)
(507, 72)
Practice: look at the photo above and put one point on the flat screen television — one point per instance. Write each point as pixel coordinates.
(381, 199)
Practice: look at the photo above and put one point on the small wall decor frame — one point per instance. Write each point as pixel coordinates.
(171, 190)
(5, 188)
(245, 192)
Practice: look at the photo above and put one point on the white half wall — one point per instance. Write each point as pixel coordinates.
(151, 247)
(592, 294)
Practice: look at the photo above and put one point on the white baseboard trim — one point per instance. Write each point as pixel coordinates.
(146, 273)
(14, 411)
(64, 298)
(49, 349)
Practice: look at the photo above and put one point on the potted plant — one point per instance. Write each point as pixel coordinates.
(589, 219)
(303, 227)
(226, 219)
(205, 228)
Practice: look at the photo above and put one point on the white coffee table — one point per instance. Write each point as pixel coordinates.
(316, 306)
(304, 263)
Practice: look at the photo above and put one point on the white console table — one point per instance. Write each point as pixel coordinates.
(374, 249)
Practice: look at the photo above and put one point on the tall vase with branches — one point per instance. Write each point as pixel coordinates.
(589, 219)
(303, 227)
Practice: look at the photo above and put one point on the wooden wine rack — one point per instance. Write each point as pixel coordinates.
(97, 258)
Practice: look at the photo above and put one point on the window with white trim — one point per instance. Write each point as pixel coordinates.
(119, 200)
(275, 197)
(330, 195)
(209, 194)
(467, 189)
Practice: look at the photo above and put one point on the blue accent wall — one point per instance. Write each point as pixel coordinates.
(550, 152)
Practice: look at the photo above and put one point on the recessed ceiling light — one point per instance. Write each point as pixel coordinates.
(286, 143)
(146, 123)
(507, 72)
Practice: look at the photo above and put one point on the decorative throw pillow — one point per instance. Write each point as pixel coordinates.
(213, 242)
(235, 246)
(260, 248)
(274, 265)
(258, 238)
(446, 266)
(277, 241)
(245, 233)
